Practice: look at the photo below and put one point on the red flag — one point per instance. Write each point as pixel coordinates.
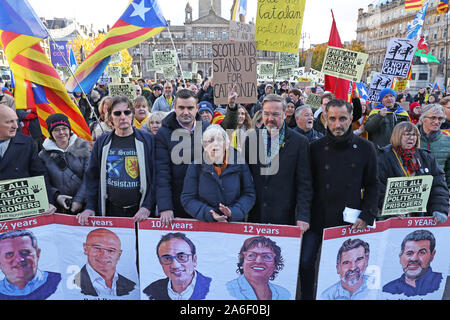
(339, 87)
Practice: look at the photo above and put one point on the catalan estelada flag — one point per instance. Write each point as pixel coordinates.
(411, 5)
(21, 32)
(442, 7)
(141, 20)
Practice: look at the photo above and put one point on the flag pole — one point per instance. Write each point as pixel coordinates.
(73, 75)
(446, 55)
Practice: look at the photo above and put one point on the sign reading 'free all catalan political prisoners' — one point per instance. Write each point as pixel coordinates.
(399, 55)
(234, 64)
(278, 25)
(346, 64)
(22, 197)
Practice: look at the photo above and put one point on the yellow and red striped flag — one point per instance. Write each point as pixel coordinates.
(21, 32)
(412, 5)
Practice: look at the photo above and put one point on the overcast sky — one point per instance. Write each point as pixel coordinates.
(316, 23)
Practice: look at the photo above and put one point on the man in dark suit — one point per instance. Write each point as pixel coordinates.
(18, 153)
(99, 276)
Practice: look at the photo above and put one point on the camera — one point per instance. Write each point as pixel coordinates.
(68, 202)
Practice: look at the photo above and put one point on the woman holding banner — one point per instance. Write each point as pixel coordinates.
(404, 158)
(66, 157)
(221, 188)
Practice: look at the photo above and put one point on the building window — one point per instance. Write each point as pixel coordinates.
(423, 76)
(224, 35)
(441, 53)
(400, 27)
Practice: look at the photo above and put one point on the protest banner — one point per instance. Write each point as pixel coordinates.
(265, 71)
(170, 72)
(187, 75)
(284, 74)
(345, 64)
(123, 89)
(116, 57)
(400, 85)
(288, 60)
(217, 248)
(378, 83)
(240, 31)
(313, 100)
(59, 53)
(399, 55)
(377, 273)
(312, 75)
(163, 58)
(150, 66)
(23, 197)
(234, 63)
(114, 71)
(279, 25)
(406, 194)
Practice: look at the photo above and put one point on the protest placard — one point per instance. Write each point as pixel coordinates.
(279, 25)
(150, 65)
(170, 72)
(187, 75)
(288, 60)
(265, 71)
(399, 55)
(345, 64)
(400, 85)
(22, 197)
(194, 67)
(284, 74)
(234, 63)
(313, 100)
(378, 83)
(312, 75)
(116, 57)
(215, 265)
(163, 58)
(59, 53)
(240, 31)
(123, 89)
(114, 71)
(407, 194)
(381, 269)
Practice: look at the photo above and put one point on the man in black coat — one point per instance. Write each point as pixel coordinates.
(278, 158)
(344, 170)
(18, 154)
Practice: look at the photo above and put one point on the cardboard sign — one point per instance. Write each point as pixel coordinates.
(23, 197)
(164, 58)
(123, 89)
(279, 25)
(234, 63)
(345, 64)
(407, 194)
(399, 55)
(241, 31)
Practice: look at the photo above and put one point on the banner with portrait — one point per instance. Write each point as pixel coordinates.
(221, 258)
(399, 259)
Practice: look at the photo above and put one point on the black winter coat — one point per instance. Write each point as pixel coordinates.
(284, 197)
(344, 173)
(389, 167)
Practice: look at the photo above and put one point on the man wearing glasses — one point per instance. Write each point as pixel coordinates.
(178, 259)
(260, 260)
(121, 169)
(99, 276)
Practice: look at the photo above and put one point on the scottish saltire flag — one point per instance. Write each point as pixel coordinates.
(20, 34)
(141, 20)
(413, 29)
(72, 60)
(442, 7)
(411, 5)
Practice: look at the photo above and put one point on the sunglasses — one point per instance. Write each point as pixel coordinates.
(119, 113)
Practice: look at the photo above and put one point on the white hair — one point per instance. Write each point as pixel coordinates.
(215, 130)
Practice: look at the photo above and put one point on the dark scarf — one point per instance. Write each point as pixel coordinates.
(340, 141)
(408, 157)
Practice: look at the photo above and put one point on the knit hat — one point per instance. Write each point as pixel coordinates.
(57, 119)
(387, 91)
(205, 106)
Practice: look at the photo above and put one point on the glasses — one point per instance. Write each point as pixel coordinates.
(180, 257)
(108, 251)
(409, 135)
(118, 113)
(440, 119)
(266, 256)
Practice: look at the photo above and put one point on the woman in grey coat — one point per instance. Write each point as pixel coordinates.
(66, 158)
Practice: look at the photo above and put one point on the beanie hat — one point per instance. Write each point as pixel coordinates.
(57, 119)
(205, 106)
(387, 91)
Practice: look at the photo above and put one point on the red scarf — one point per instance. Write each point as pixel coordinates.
(408, 157)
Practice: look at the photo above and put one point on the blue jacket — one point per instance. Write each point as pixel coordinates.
(204, 190)
(96, 172)
(170, 175)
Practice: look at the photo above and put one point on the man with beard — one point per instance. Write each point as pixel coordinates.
(417, 252)
(351, 263)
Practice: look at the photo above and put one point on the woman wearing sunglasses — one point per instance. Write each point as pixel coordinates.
(66, 157)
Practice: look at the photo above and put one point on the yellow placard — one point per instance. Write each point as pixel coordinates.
(279, 25)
